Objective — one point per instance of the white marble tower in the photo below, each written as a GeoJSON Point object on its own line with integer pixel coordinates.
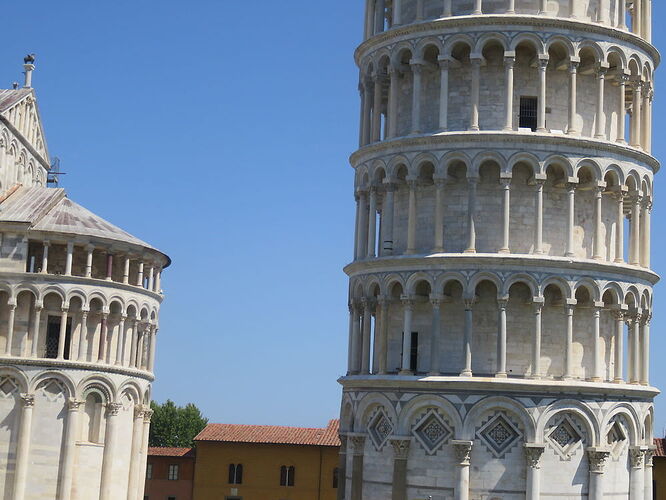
{"type": "Point", "coordinates": [501, 292]}
{"type": "Point", "coordinates": [79, 303]}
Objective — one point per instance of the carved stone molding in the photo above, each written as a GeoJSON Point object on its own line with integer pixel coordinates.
{"type": "Point", "coordinates": [28, 400]}
{"type": "Point", "coordinates": [147, 415]}
{"type": "Point", "coordinates": [463, 451]}
{"type": "Point", "coordinates": [74, 404]}
{"type": "Point", "coordinates": [357, 442]}
{"type": "Point", "coordinates": [112, 409]}
{"type": "Point", "coordinates": [636, 456]}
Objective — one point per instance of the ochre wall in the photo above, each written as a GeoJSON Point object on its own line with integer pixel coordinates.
{"type": "Point", "coordinates": [159, 487]}
{"type": "Point", "coordinates": [261, 471]}
{"type": "Point", "coordinates": [659, 477]}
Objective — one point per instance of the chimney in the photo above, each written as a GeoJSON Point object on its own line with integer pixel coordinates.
{"type": "Point", "coordinates": [29, 68]}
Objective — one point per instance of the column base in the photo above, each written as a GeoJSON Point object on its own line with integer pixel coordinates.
{"type": "Point", "coordinates": [542, 130]}
{"type": "Point", "coordinates": [567, 378]}
{"type": "Point", "coordinates": [534, 377]}
{"type": "Point", "coordinates": [621, 141]}
{"type": "Point", "coordinates": [600, 137]}
{"type": "Point", "coordinates": [597, 257]}
{"type": "Point", "coordinates": [437, 250]}
{"type": "Point", "coordinates": [406, 372]}
{"type": "Point", "coordinates": [619, 261]}
{"type": "Point", "coordinates": [501, 375]}
{"type": "Point", "coordinates": [596, 379]}
{"type": "Point", "coordinates": [434, 374]}
{"type": "Point", "coordinates": [504, 250]}
{"type": "Point", "coordinates": [573, 132]}
{"type": "Point", "coordinates": [618, 380]}
{"type": "Point", "coordinates": [473, 129]}
{"type": "Point", "coordinates": [470, 250]}
{"type": "Point", "coordinates": [466, 373]}
{"type": "Point", "coordinates": [570, 254]}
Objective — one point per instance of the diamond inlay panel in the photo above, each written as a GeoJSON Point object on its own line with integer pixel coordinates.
{"type": "Point", "coordinates": [565, 438]}
{"type": "Point", "coordinates": [432, 432]}
{"type": "Point", "coordinates": [499, 435]}
{"type": "Point", "coordinates": [380, 429]}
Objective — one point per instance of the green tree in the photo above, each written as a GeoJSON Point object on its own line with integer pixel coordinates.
{"type": "Point", "coordinates": [175, 426]}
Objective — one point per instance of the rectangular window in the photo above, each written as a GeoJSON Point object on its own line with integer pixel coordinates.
{"type": "Point", "coordinates": [53, 336]}
{"type": "Point", "coordinates": [149, 471]}
{"type": "Point", "coordinates": [235, 473]}
{"type": "Point", "coordinates": [528, 113]}
{"type": "Point", "coordinates": [336, 473]}
{"type": "Point", "coordinates": [171, 498]}
{"type": "Point", "coordinates": [287, 475]}
{"type": "Point", "coordinates": [173, 473]}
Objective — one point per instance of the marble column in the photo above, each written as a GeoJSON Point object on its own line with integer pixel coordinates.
{"type": "Point", "coordinates": [153, 346]}
{"type": "Point", "coordinates": [387, 218]}
{"type": "Point", "coordinates": [443, 94]}
{"type": "Point", "coordinates": [649, 464]}
{"type": "Point", "coordinates": [408, 307]}
{"type": "Point", "coordinates": [622, 11]}
{"type": "Point", "coordinates": [10, 328]}
{"type": "Point", "coordinates": [358, 445]}
{"type": "Point", "coordinates": [356, 339]}
{"type": "Point", "coordinates": [646, 224]}
{"type": "Point", "coordinates": [372, 224]}
{"type": "Point", "coordinates": [367, 333]}
{"type": "Point", "coordinates": [597, 458]}
{"type": "Point", "coordinates": [89, 260]}
{"type": "Point", "coordinates": [109, 266]}
{"type": "Point", "coordinates": [120, 341]}
{"type": "Point", "coordinates": [417, 68]}
{"type": "Point", "coordinates": [394, 92]}
{"type": "Point", "coordinates": [619, 228]}
{"type": "Point", "coordinates": [411, 217]}
{"type": "Point", "coordinates": [619, 348]}
{"type": "Point", "coordinates": [511, 9]}
{"type": "Point", "coordinates": [477, 7]}
{"type": "Point", "coordinates": [36, 323]}
{"type": "Point", "coordinates": [366, 112]}
{"type": "Point", "coordinates": [635, 230]}
{"type": "Point", "coordinates": [101, 355]}
{"type": "Point", "coordinates": [377, 107]}
{"type": "Point", "coordinates": [362, 224]}
{"type": "Point", "coordinates": [382, 355]}
{"type": "Point", "coordinates": [435, 347]}
{"type": "Point", "coordinates": [63, 333]}
{"type": "Point", "coordinates": [467, 337]}
{"type": "Point", "coordinates": [506, 213]}
{"type": "Point", "coordinates": [635, 348]}
{"type": "Point", "coordinates": [45, 258]}
{"type": "Point", "coordinates": [636, 473]}
{"type": "Point", "coordinates": [571, 219]}
{"type": "Point", "coordinates": [147, 415]}
{"type": "Point", "coordinates": [69, 258]}
{"type": "Point", "coordinates": [342, 468]}
{"type": "Point", "coordinates": [501, 338]}
{"type": "Point", "coordinates": [537, 306]}
{"type": "Point", "coordinates": [475, 93]}
{"type": "Point", "coordinates": [23, 447]}
{"type": "Point", "coordinates": [538, 232]}
{"type": "Point", "coordinates": [645, 354]}
{"type": "Point", "coordinates": [69, 449]}
{"type": "Point", "coordinates": [400, 456]}
{"type": "Point", "coordinates": [600, 123]}
{"type": "Point", "coordinates": [397, 12]}
{"type": "Point", "coordinates": [622, 109]}
{"type": "Point", "coordinates": [598, 225]}
{"type": "Point", "coordinates": [463, 454]}
{"type": "Point", "coordinates": [83, 338]}
{"type": "Point", "coordinates": [541, 112]}
{"type": "Point", "coordinates": [509, 62]}
{"type": "Point", "coordinates": [126, 270]}
{"type": "Point", "coordinates": [135, 465]}
{"type": "Point", "coordinates": [636, 118]}
{"type": "Point", "coordinates": [446, 11]}
{"type": "Point", "coordinates": [573, 96]}
{"type": "Point", "coordinates": [106, 484]}
{"type": "Point", "coordinates": [597, 368]}
{"type": "Point", "coordinates": [472, 183]}
{"type": "Point", "coordinates": [568, 355]}
{"type": "Point", "coordinates": [439, 215]}
{"type": "Point", "coordinates": [533, 453]}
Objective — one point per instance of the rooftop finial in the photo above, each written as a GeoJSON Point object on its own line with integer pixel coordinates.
{"type": "Point", "coordinates": [28, 66]}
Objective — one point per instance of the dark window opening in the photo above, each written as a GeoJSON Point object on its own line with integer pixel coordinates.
{"type": "Point", "coordinates": [53, 337]}
{"type": "Point", "coordinates": [287, 475]}
{"type": "Point", "coordinates": [336, 474]}
{"type": "Point", "coordinates": [235, 474]}
{"type": "Point", "coordinates": [528, 113]}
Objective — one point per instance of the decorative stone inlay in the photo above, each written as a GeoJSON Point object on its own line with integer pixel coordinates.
{"type": "Point", "coordinates": [7, 387]}
{"type": "Point", "coordinates": [499, 435]}
{"type": "Point", "coordinates": [380, 429]}
{"type": "Point", "coordinates": [597, 459]}
{"type": "Point", "coordinates": [463, 451]}
{"type": "Point", "coordinates": [565, 438]}
{"type": "Point", "coordinates": [432, 431]}
{"type": "Point", "coordinates": [533, 453]}
{"type": "Point", "coordinates": [401, 448]}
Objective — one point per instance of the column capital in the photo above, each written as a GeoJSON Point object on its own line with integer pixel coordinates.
{"type": "Point", "coordinates": [416, 65]}
{"type": "Point", "coordinates": [533, 453]}
{"type": "Point", "coordinates": [401, 447]}
{"type": "Point", "coordinates": [436, 299]}
{"type": "Point", "coordinates": [368, 304]}
{"type": "Point", "coordinates": [636, 456]}
{"type": "Point", "coordinates": [74, 404]}
{"type": "Point", "coordinates": [147, 415]}
{"type": "Point", "coordinates": [357, 442]}
{"type": "Point", "coordinates": [503, 302]}
{"type": "Point", "coordinates": [597, 458]}
{"type": "Point", "coordinates": [601, 69]}
{"type": "Point", "coordinates": [573, 65]}
{"type": "Point", "coordinates": [469, 302]}
{"type": "Point", "coordinates": [383, 301]}
{"type": "Point", "coordinates": [649, 456]}
{"type": "Point", "coordinates": [112, 409]}
{"type": "Point", "coordinates": [28, 400]}
{"type": "Point", "coordinates": [463, 451]}
{"type": "Point", "coordinates": [509, 60]}
{"type": "Point", "coordinates": [407, 300]}
{"type": "Point", "coordinates": [543, 62]}
{"type": "Point", "coordinates": [139, 412]}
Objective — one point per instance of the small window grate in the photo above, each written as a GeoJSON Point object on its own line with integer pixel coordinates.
{"type": "Point", "coordinates": [528, 113]}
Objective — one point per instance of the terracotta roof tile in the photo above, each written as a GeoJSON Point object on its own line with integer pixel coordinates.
{"type": "Point", "coordinates": [272, 434]}
{"type": "Point", "coordinates": [660, 443]}
{"type": "Point", "coordinates": [170, 452]}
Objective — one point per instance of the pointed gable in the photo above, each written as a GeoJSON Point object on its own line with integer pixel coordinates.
{"type": "Point", "coordinates": [18, 108]}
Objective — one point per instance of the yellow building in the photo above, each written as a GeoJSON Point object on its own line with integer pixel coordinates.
{"type": "Point", "coordinates": [255, 462]}
{"type": "Point", "coordinates": [659, 471]}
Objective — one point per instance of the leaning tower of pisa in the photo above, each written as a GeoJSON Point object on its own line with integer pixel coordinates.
{"type": "Point", "coordinates": [79, 303]}
{"type": "Point", "coordinates": [501, 293]}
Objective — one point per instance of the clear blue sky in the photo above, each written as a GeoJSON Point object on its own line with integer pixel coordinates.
{"type": "Point", "coordinates": [219, 131]}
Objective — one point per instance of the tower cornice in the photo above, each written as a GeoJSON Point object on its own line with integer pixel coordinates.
{"type": "Point", "coordinates": [505, 20]}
